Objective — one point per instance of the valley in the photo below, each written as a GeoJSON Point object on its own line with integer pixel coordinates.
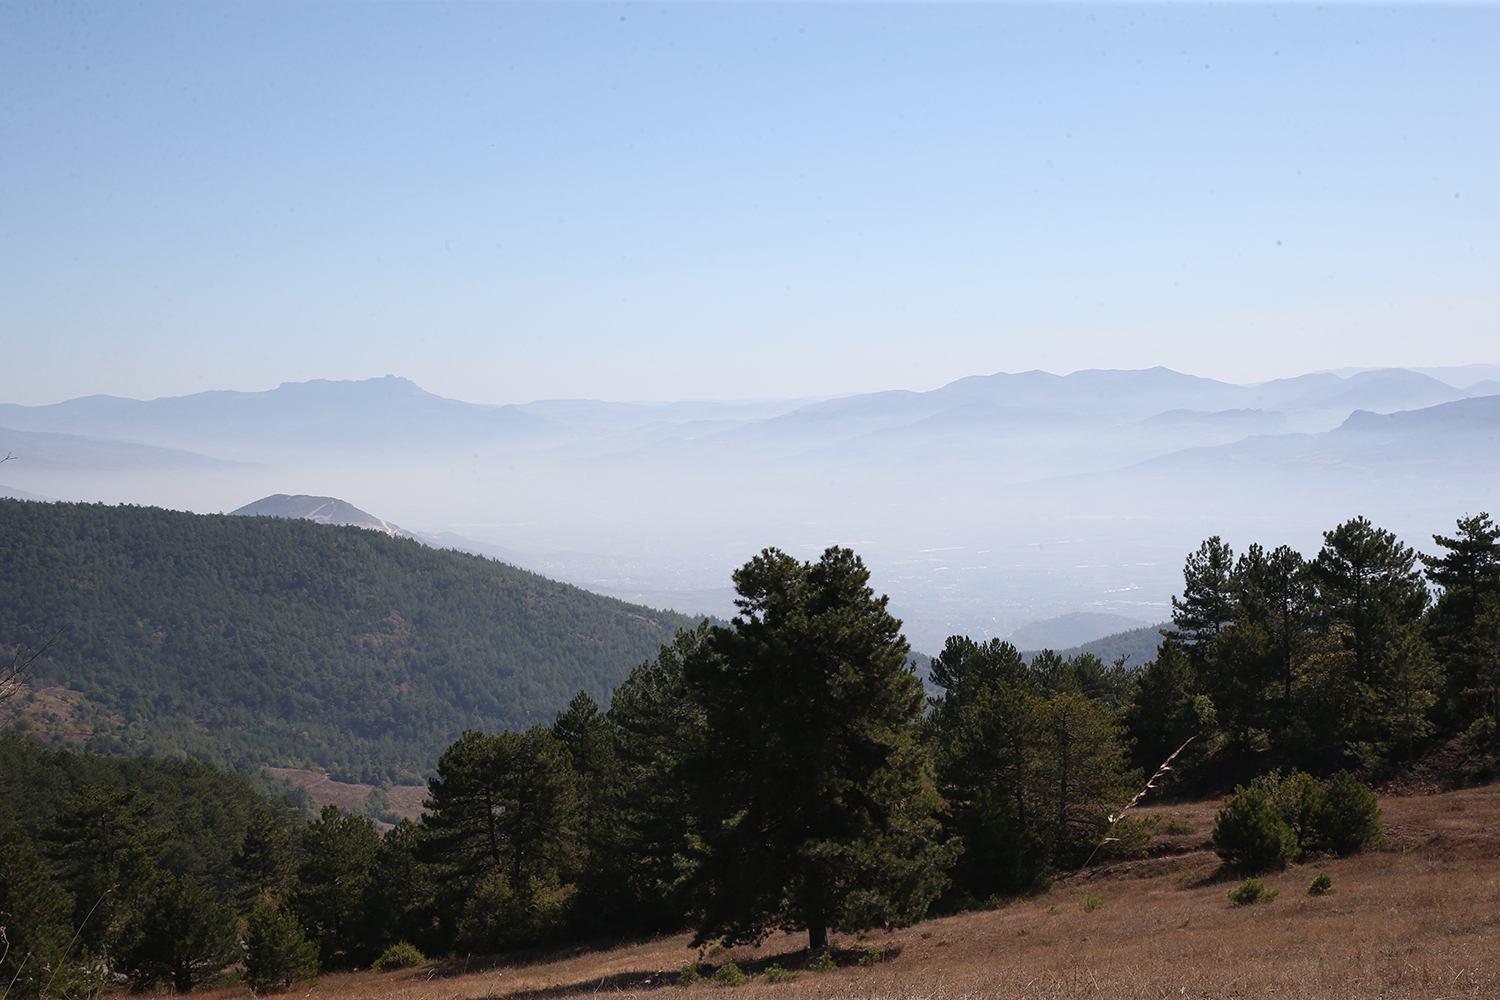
{"type": "Point", "coordinates": [981, 506]}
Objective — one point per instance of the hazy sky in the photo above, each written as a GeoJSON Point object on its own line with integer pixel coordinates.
{"type": "Point", "coordinates": [508, 201]}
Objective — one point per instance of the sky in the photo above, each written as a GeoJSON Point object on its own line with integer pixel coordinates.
{"type": "Point", "coordinates": [509, 201]}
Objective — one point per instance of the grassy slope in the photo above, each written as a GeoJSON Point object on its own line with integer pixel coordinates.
{"type": "Point", "coordinates": [1416, 919]}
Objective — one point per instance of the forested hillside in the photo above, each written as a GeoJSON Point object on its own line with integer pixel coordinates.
{"type": "Point", "coordinates": [782, 773]}
{"type": "Point", "coordinates": [247, 641]}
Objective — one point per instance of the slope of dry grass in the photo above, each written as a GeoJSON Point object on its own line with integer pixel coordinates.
{"type": "Point", "coordinates": [1416, 919]}
{"type": "Point", "coordinates": [405, 800]}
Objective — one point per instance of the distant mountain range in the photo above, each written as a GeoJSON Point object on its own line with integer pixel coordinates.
{"type": "Point", "coordinates": [982, 505]}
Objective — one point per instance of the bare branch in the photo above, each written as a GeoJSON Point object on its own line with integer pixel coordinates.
{"type": "Point", "coordinates": [16, 673]}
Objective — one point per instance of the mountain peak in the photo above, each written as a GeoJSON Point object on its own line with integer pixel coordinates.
{"type": "Point", "coordinates": [324, 510]}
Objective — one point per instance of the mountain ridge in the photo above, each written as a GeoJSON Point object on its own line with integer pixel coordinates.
{"type": "Point", "coordinates": [254, 640]}
{"type": "Point", "coordinates": [1005, 470]}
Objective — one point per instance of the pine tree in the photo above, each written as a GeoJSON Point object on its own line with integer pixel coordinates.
{"type": "Point", "coordinates": [1169, 708]}
{"type": "Point", "coordinates": [1207, 605]}
{"type": "Point", "coordinates": [604, 900]}
{"type": "Point", "coordinates": [187, 936]}
{"type": "Point", "coordinates": [106, 847]}
{"type": "Point", "coordinates": [1275, 591]}
{"type": "Point", "coordinates": [1471, 564]}
{"type": "Point", "coordinates": [35, 922]}
{"type": "Point", "coordinates": [335, 881]}
{"type": "Point", "coordinates": [811, 794]}
{"type": "Point", "coordinates": [1412, 681]}
{"type": "Point", "coordinates": [983, 729]}
{"type": "Point", "coordinates": [583, 732]}
{"type": "Point", "coordinates": [277, 952]}
{"type": "Point", "coordinates": [265, 864]}
{"type": "Point", "coordinates": [404, 891]}
{"type": "Point", "coordinates": [503, 819]}
{"type": "Point", "coordinates": [1468, 575]}
{"type": "Point", "coordinates": [1078, 772]}
{"type": "Point", "coordinates": [656, 729]}
{"type": "Point", "coordinates": [1369, 593]}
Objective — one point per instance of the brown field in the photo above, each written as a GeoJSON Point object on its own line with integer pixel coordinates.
{"type": "Point", "coordinates": [1416, 919]}
{"type": "Point", "coordinates": [406, 800]}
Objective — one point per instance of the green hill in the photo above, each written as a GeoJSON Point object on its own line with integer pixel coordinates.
{"type": "Point", "coordinates": [249, 641]}
{"type": "Point", "coordinates": [1139, 644]}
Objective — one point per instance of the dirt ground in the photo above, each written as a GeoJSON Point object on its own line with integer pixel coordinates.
{"type": "Point", "coordinates": [1415, 919]}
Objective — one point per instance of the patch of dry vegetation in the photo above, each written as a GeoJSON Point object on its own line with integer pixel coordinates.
{"type": "Point", "coordinates": [50, 715]}
{"type": "Point", "coordinates": [1417, 918]}
{"type": "Point", "coordinates": [405, 800]}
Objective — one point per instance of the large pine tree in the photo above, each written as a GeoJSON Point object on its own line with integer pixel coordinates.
{"type": "Point", "coordinates": [812, 797]}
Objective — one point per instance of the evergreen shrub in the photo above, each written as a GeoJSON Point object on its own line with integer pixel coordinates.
{"type": "Point", "coordinates": [1250, 833]}
{"type": "Point", "coordinates": [1280, 817]}
{"type": "Point", "coordinates": [730, 974]}
{"type": "Point", "coordinates": [1348, 818]}
{"type": "Point", "coordinates": [399, 956]}
{"type": "Point", "coordinates": [1253, 890]}
{"type": "Point", "coordinates": [277, 953]}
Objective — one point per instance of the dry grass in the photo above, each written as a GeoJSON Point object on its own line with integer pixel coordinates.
{"type": "Point", "coordinates": [1417, 919]}
{"type": "Point", "coordinates": [406, 800]}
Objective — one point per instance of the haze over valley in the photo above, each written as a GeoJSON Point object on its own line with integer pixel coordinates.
{"type": "Point", "coordinates": [981, 506]}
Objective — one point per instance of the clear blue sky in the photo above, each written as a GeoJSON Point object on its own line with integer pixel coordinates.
{"type": "Point", "coordinates": [508, 201]}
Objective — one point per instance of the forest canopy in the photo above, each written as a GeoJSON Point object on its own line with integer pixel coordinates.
{"type": "Point", "coordinates": [251, 641]}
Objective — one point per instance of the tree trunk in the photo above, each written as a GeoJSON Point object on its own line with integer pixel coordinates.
{"type": "Point", "coordinates": [817, 938]}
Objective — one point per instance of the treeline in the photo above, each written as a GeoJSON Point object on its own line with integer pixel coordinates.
{"type": "Point", "coordinates": [251, 641]}
{"type": "Point", "coordinates": [1345, 654]}
{"type": "Point", "coordinates": [787, 772]}
{"type": "Point", "coordinates": [780, 772]}
{"type": "Point", "coordinates": [108, 865]}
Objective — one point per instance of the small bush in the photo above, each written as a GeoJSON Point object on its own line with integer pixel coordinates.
{"type": "Point", "coordinates": [1179, 825]}
{"type": "Point", "coordinates": [776, 974]}
{"type": "Point", "coordinates": [1348, 818]}
{"type": "Point", "coordinates": [399, 956]}
{"type": "Point", "coordinates": [1090, 904]}
{"type": "Point", "coordinates": [1250, 833]}
{"type": "Point", "coordinates": [1299, 800]}
{"type": "Point", "coordinates": [502, 915]}
{"type": "Point", "coordinates": [1129, 836]}
{"type": "Point", "coordinates": [730, 974]}
{"type": "Point", "coordinates": [825, 963]}
{"type": "Point", "coordinates": [1321, 886]}
{"type": "Point", "coordinates": [872, 956]}
{"type": "Point", "coordinates": [277, 953]}
{"type": "Point", "coordinates": [1252, 891]}
{"type": "Point", "coordinates": [689, 976]}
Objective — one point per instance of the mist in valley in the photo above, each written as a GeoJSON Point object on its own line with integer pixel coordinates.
{"type": "Point", "coordinates": [982, 506]}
